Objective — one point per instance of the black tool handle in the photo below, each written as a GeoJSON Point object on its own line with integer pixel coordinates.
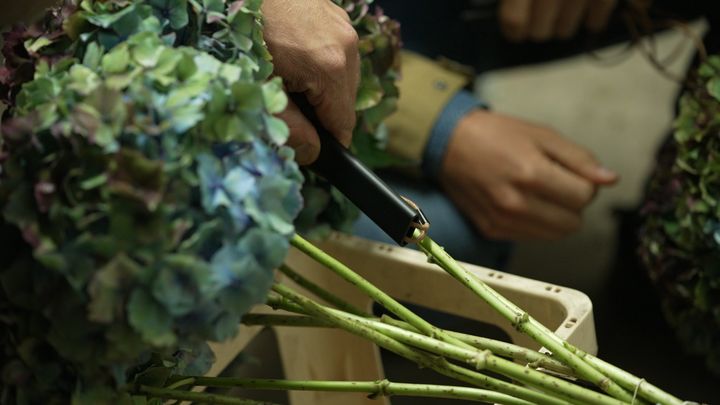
{"type": "Point", "coordinates": [359, 184]}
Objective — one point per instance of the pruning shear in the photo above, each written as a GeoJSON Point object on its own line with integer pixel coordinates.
{"type": "Point", "coordinates": [397, 216]}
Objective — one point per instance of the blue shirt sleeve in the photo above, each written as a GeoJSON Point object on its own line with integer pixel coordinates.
{"type": "Point", "coordinates": [459, 105]}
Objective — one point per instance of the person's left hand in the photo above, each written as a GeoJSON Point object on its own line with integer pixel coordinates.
{"type": "Point", "coordinates": [516, 180]}
{"type": "Point", "coordinates": [543, 20]}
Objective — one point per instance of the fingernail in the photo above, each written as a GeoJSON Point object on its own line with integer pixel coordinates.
{"type": "Point", "coordinates": [346, 139]}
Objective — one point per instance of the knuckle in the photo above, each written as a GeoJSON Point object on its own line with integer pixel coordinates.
{"type": "Point", "coordinates": [340, 58]}
{"type": "Point", "coordinates": [347, 38]}
{"type": "Point", "coordinates": [526, 173]}
{"type": "Point", "coordinates": [508, 202]}
{"type": "Point", "coordinates": [334, 61]}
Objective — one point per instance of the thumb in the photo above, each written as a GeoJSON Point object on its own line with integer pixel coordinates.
{"type": "Point", "coordinates": [577, 159]}
{"type": "Point", "coordinates": [303, 136]}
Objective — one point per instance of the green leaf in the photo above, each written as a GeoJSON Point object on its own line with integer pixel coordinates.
{"type": "Point", "coordinates": [372, 151]}
{"type": "Point", "coordinates": [713, 87]}
{"type": "Point", "coordinates": [274, 96]}
{"type": "Point", "coordinates": [83, 80]}
{"type": "Point", "coordinates": [123, 80]}
{"type": "Point", "coordinates": [242, 23]}
{"type": "Point", "coordinates": [20, 206]}
{"type": "Point", "coordinates": [277, 130]}
{"type": "Point", "coordinates": [123, 343]}
{"type": "Point", "coordinates": [370, 91]}
{"type": "Point", "coordinates": [106, 20]}
{"type": "Point", "coordinates": [181, 283]}
{"type": "Point", "coordinates": [139, 400]}
{"type": "Point", "coordinates": [154, 376]}
{"type": "Point", "coordinates": [225, 327]}
{"type": "Point", "coordinates": [230, 73]}
{"type": "Point", "coordinates": [214, 5]}
{"type": "Point", "coordinates": [184, 94]}
{"type": "Point", "coordinates": [93, 55]}
{"type": "Point", "coordinates": [377, 114]}
{"type": "Point", "coordinates": [108, 286]}
{"type": "Point", "coordinates": [167, 62]}
{"type": "Point", "coordinates": [138, 178]}
{"type": "Point", "coordinates": [146, 49]}
{"type": "Point", "coordinates": [117, 60]}
{"type": "Point", "coordinates": [196, 360]}
{"type": "Point", "coordinates": [150, 319]}
{"type": "Point", "coordinates": [174, 11]}
{"type": "Point", "coordinates": [247, 96]}
{"type": "Point", "coordinates": [34, 45]}
{"type": "Point", "coordinates": [186, 117]}
{"type": "Point", "coordinates": [94, 182]}
{"type": "Point", "coordinates": [242, 42]}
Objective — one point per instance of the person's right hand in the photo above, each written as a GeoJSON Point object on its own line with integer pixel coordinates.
{"type": "Point", "coordinates": [515, 180]}
{"type": "Point", "coordinates": [542, 20]}
{"type": "Point", "coordinates": [315, 51]}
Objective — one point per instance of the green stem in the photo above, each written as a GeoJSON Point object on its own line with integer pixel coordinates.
{"type": "Point", "coordinates": [201, 397]}
{"type": "Point", "coordinates": [374, 388]}
{"type": "Point", "coordinates": [630, 382]}
{"type": "Point", "coordinates": [526, 324]}
{"type": "Point", "coordinates": [531, 358]}
{"type": "Point", "coordinates": [373, 292]}
{"type": "Point", "coordinates": [276, 302]}
{"type": "Point", "coordinates": [284, 320]}
{"type": "Point", "coordinates": [480, 360]}
{"type": "Point", "coordinates": [180, 383]}
{"type": "Point", "coordinates": [320, 292]}
{"type": "Point", "coordinates": [439, 364]}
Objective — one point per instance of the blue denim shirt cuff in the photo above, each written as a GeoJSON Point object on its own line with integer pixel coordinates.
{"type": "Point", "coordinates": [460, 105]}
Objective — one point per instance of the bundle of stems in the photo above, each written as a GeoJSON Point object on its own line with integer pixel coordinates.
{"type": "Point", "coordinates": [537, 378]}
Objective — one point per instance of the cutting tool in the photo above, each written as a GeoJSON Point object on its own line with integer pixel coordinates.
{"type": "Point", "coordinates": [397, 216]}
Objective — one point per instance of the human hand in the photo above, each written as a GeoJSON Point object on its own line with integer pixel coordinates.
{"type": "Point", "coordinates": [515, 180]}
{"type": "Point", "coordinates": [315, 51]}
{"type": "Point", "coordinates": [542, 20]}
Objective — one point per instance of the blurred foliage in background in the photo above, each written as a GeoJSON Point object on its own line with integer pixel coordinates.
{"type": "Point", "coordinates": [680, 235]}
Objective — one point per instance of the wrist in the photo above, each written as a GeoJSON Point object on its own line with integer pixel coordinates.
{"type": "Point", "coordinates": [459, 106]}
